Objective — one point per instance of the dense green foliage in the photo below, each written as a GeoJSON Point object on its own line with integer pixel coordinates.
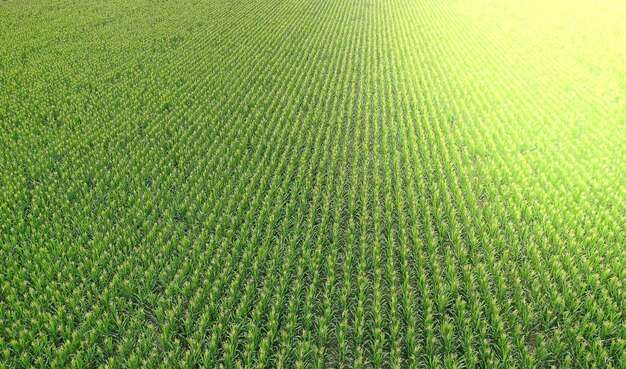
{"type": "Point", "coordinates": [312, 184]}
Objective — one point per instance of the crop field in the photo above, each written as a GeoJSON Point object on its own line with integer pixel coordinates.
{"type": "Point", "coordinates": [312, 184]}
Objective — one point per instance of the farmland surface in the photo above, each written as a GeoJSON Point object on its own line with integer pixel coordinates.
{"type": "Point", "coordinates": [312, 184]}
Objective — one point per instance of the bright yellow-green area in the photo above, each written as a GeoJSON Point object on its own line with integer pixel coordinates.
{"type": "Point", "coordinates": [312, 184]}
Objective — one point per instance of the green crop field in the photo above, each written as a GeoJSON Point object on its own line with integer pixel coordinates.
{"type": "Point", "coordinates": [312, 184]}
